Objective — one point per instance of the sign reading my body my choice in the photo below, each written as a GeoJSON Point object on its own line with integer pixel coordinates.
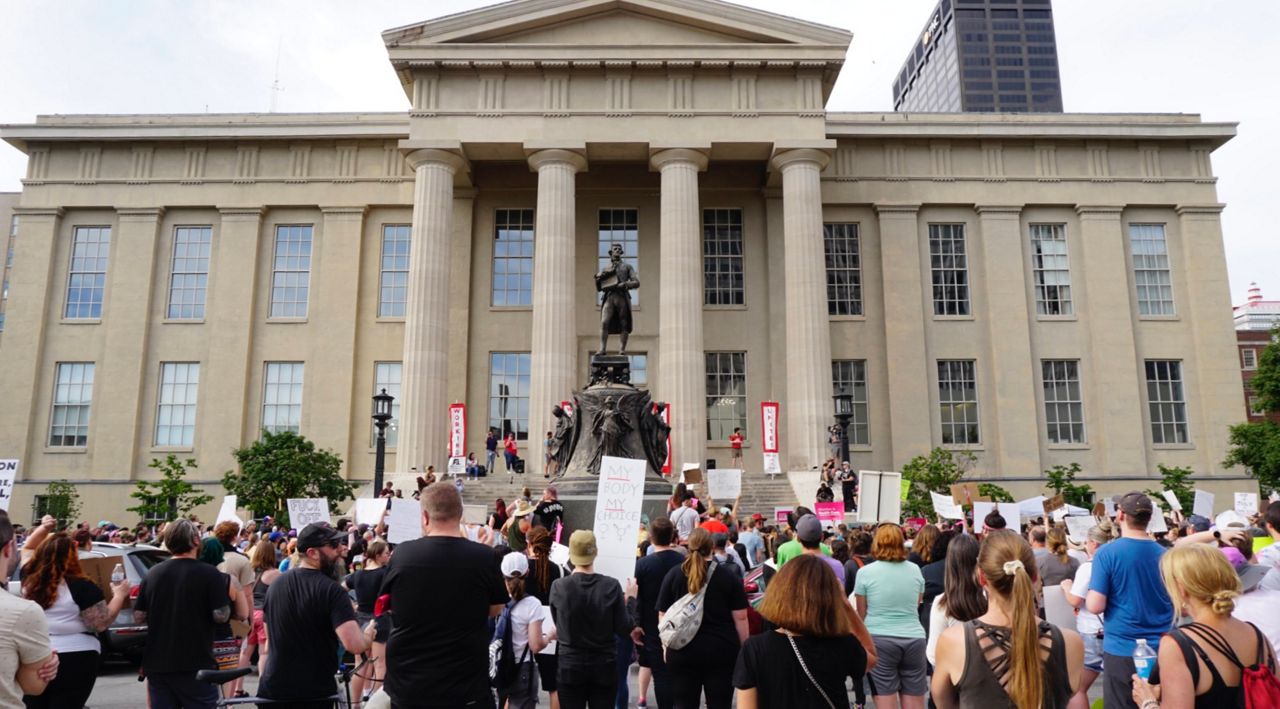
{"type": "Point", "coordinates": [618, 516]}
{"type": "Point", "coordinates": [8, 473]}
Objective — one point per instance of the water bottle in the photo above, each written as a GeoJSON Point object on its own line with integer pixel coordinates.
{"type": "Point", "coordinates": [1144, 659]}
{"type": "Point", "coordinates": [117, 574]}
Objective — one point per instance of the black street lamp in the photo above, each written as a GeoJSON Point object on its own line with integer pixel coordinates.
{"type": "Point", "coordinates": [843, 399]}
{"type": "Point", "coordinates": [381, 418]}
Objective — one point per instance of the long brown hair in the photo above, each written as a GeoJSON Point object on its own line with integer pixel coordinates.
{"type": "Point", "coordinates": [923, 544]}
{"type": "Point", "coordinates": [55, 560]}
{"type": "Point", "coordinates": [1056, 540]}
{"type": "Point", "coordinates": [962, 598]}
{"type": "Point", "coordinates": [805, 598]}
{"type": "Point", "coordinates": [1016, 586]}
{"type": "Point", "coordinates": [694, 565]}
{"type": "Point", "coordinates": [539, 541]}
{"type": "Point", "coordinates": [264, 556]}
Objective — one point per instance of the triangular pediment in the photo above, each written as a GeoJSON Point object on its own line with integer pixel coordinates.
{"type": "Point", "coordinates": [622, 27]}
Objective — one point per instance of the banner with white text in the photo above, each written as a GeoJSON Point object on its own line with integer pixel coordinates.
{"type": "Point", "coordinates": [457, 430]}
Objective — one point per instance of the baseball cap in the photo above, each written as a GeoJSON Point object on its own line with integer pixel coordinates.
{"type": "Point", "coordinates": [1134, 504]}
{"type": "Point", "coordinates": [318, 534]}
{"type": "Point", "coordinates": [1199, 523]}
{"type": "Point", "coordinates": [515, 565]}
{"type": "Point", "coordinates": [809, 529]}
{"type": "Point", "coordinates": [275, 536]}
{"type": "Point", "coordinates": [1230, 518]}
{"type": "Point", "coordinates": [582, 547]}
{"type": "Point", "coordinates": [757, 517]}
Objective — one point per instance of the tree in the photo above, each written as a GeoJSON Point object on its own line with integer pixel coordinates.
{"type": "Point", "coordinates": [285, 465]}
{"type": "Point", "coordinates": [935, 472]}
{"type": "Point", "coordinates": [1256, 446]}
{"type": "Point", "coordinates": [62, 501]}
{"type": "Point", "coordinates": [1266, 381]}
{"type": "Point", "coordinates": [1062, 480]}
{"type": "Point", "coordinates": [994, 492]}
{"type": "Point", "coordinates": [171, 496]}
{"type": "Point", "coordinates": [1177, 481]}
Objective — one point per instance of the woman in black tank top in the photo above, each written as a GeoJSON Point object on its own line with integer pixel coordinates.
{"type": "Point", "coordinates": [1007, 657]}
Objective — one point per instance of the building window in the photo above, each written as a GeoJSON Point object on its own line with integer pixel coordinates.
{"type": "Point", "coordinates": [852, 373]}
{"type": "Point", "coordinates": [1050, 270]}
{"type": "Point", "coordinates": [87, 279]}
{"type": "Point", "coordinates": [1167, 401]}
{"type": "Point", "coordinates": [950, 269]}
{"type": "Point", "coordinates": [282, 397]}
{"type": "Point", "coordinates": [619, 226]}
{"type": "Point", "coordinates": [1249, 358]}
{"type": "Point", "coordinates": [153, 513]}
{"type": "Point", "coordinates": [291, 272]}
{"type": "Point", "coordinates": [1151, 269]}
{"type": "Point", "coordinates": [844, 269]}
{"type": "Point", "coordinates": [509, 393]}
{"type": "Point", "coordinates": [393, 291]}
{"type": "Point", "coordinates": [958, 401]}
{"type": "Point", "coordinates": [386, 375]}
{"type": "Point", "coordinates": [72, 399]}
{"type": "Point", "coordinates": [722, 280]}
{"type": "Point", "coordinates": [176, 413]}
{"type": "Point", "coordinates": [1251, 405]}
{"type": "Point", "coordinates": [1063, 402]}
{"type": "Point", "coordinates": [513, 257]}
{"type": "Point", "coordinates": [726, 394]}
{"type": "Point", "coordinates": [189, 278]}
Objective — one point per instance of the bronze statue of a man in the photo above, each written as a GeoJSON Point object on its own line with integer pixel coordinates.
{"type": "Point", "coordinates": [615, 282]}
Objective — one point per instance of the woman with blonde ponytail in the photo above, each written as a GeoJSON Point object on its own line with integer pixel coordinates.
{"type": "Point", "coordinates": [1007, 657]}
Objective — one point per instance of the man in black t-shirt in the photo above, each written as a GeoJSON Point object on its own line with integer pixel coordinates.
{"type": "Point", "coordinates": [650, 570]}
{"type": "Point", "coordinates": [307, 613]}
{"type": "Point", "coordinates": [181, 601]}
{"type": "Point", "coordinates": [443, 590]}
{"type": "Point", "coordinates": [549, 511]}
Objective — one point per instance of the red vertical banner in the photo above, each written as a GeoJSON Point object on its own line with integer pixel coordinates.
{"type": "Point", "coordinates": [567, 407]}
{"type": "Point", "coordinates": [457, 430]}
{"type": "Point", "coordinates": [769, 426]}
{"type": "Point", "coordinates": [666, 419]}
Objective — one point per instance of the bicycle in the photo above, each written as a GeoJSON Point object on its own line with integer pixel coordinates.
{"type": "Point", "coordinates": [342, 698]}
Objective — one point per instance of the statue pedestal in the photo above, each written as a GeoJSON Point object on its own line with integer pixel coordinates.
{"type": "Point", "coordinates": [579, 499]}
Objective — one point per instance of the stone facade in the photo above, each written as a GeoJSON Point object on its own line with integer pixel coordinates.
{"type": "Point", "coordinates": [675, 112]}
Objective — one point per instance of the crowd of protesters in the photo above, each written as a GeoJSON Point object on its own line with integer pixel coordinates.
{"type": "Point", "coordinates": [952, 613]}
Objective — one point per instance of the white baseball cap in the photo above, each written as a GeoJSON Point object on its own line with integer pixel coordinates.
{"type": "Point", "coordinates": [515, 564]}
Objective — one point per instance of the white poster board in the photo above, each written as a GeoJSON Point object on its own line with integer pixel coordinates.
{"type": "Point", "coordinates": [559, 555]}
{"type": "Point", "coordinates": [1012, 513]}
{"type": "Point", "coordinates": [618, 516]}
{"type": "Point", "coordinates": [369, 510]}
{"type": "Point", "coordinates": [1157, 525]}
{"type": "Point", "coordinates": [1203, 505]}
{"type": "Point", "coordinates": [457, 465]}
{"type": "Point", "coordinates": [772, 466]}
{"type": "Point", "coordinates": [475, 514]}
{"type": "Point", "coordinates": [879, 497]}
{"type": "Point", "coordinates": [945, 506]}
{"type": "Point", "coordinates": [8, 473]}
{"type": "Point", "coordinates": [1247, 503]}
{"type": "Point", "coordinates": [1078, 527]}
{"type": "Point", "coordinates": [227, 513]}
{"type": "Point", "coordinates": [1057, 610]}
{"type": "Point", "coordinates": [304, 511]}
{"type": "Point", "coordinates": [404, 521]}
{"type": "Point", "coordinates": [980, 512]}
{"type": "Point", "coordinates": [724, 485]}
{"type": "Point", "coordinates": [1172, 499]}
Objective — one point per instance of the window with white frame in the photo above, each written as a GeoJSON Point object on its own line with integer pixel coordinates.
{"type": "Point", "coordinates": [726, 394]}
{"type": "Point", "coordinates": [958, 401]}
{"type": "Point", "coordinates": [386, 375]}
{"type": "Point", "coordinates": [509, 394]}
{"type": "Point", "coordinates": [1050, 271]}
{"type": "Point", "coordinates": [513, 257]}
{"type": "Point", "coordinates": [949, 269]}
{"type": "Point", "coordinates": [291, 271]}
{"type": "Point", "coordinates": [844, 269]}
{"type": "Point", "coordinates": [621, 227]}
{"type": "Point", "coordinates": [189, 274]}
{"type": "Point", "coordinates": [176, 410]}
{"type": "Point", "coordinates": [87, 277]}
{"type": "Point", "coordinates": [1249, 358]}
{"type": "Point", "coordinates": [1151, 275]}
{"type": "Point", "coordinates": [282, 397]}
{"type": "Point", "coordinates": [1063, 401]}
{"type": "Point", "coordinates": [722, 268]}
{"type": "Point", "coordinates": [1251, 404]}
{"type": "Point", "coordinates": [72, 400]}
{"type": "Point", "coordinates": [852, 373]}
{"type": "Point", "coordinates": [393, 289]}
{"type": "Point", "coordinates": [1166, 401]}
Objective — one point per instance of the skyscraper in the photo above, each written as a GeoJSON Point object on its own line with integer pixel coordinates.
{"type": "Point", "coordinates": [985, 56]}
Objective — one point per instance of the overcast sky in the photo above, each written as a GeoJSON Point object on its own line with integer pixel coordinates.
{"type": "Point", "coordinates": [1215, 58]}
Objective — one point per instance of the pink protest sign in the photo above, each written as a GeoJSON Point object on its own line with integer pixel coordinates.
{"type": "Point", "coordinates": [829, 511]}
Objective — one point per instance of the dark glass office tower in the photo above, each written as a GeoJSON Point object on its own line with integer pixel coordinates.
{"type": "Point", "coordinates": [983, 55]}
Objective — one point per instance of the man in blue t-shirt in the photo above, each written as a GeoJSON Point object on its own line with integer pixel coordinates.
{"type": "Point", "coordinates": [1127, 587]}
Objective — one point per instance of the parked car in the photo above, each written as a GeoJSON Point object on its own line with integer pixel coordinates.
{"type": "Point", "coordinates": [754, 584]}
{"type": "Point", "coordinates": [125, 636]}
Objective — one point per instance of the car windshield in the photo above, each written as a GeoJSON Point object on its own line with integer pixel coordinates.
{"type": "Point", "coordinates": [144, 560]}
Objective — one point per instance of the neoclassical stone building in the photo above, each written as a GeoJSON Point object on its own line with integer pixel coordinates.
{"type": "Point", "coordinates": [1038, 289]}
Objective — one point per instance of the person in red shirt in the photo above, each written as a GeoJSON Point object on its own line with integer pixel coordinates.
{"type": "Point", "coordinates": [735, 442]}
{"type": "Point", "coordinates": [511, 454]}
{"type": "Point", "coordinates": [715, 523]}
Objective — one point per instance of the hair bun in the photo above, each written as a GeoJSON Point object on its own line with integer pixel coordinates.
{"type": "Point", "coordinates": [1011, 567]}
{"type": "Point", "coordinates": [1223, 602]}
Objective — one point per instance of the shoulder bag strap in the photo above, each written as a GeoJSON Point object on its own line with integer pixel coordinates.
{"type": "Point", "coordinates": [800, 658]}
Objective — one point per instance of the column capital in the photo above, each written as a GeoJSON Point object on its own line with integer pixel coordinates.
{"type": "Point", "coordinates": [998, 211]}
{"type": "Point", "coordinates": [551, 156]}
{"type": "Point", "coordinates": [39, 212]}
{"type": "Point", "coordinates": [1203, 211]}
{"type": "Point", "coordinates": [1099, 211]}
{"type": "Point", "coordinates": [453, 160]}
{"type": "Point", "coordinates": [903, 210]}
{"type": "Point", "coordinates": [785, 158]}
{"type": "Point", "coordinates": [140, 214]}
{"type": "Point", "coordinates": [659, 159]}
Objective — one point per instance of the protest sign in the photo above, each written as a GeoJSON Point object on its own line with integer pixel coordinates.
{"type": "Point", "coordinates": [946, 507]}
{"type": "Point", "coordinates": [1056, 608]}
{"type": "Point", "coordinates": [404, 521]}
{"type": "Point", "coordinates": [457, 465]}
{"type": "Point", "coordinates": [559, 554]}
{"type": "Point", "coordinates": [1055, 503]}
{"type": "Point", "coordinates": [829, 511]}
{"type": "Point", "coordinates": [457, 430]}
{"type": "Point", "coordinates": [769, 426]}
{"type": "Point", "coordinates": [1172, 499]}
{"type": "Point", "coordinates": [724, 484]}
{"type": "Point", "coordinates": [1060, 513]}
{"type": "Point", "coordinates": [772, 466]}
{"type": "Point", "coordinates": [1078, 527]}
{"type": "Point", "coordinates": [1109, 507]}
{"type": "Point", "coordinates": [780, 514]}
{"type": "Point", "coordinates": [690, 474]}
{"type": "Point", "coordinates": [964, 493]}
{"type": "Point", "coordinates": [1012, 513]}
{"type": "Point", "coordinates": [475, 514]}
{"type": "Point", "coordinates": [369, 510]}
{"type": "Point", "coordinates": [618, 500]}
{"type": "Point", "coordinates": [8, 473]}
{"type": "Point", "coordinates": [1157, 525]}
{"type": "Point", "coordinates": [878, 496]}
{"type": "Point", "coordinates": [1203, 505]}
{"type": "Point", "coordinates": [904, 489]}
{"type": "Point", "coordinates": [1246, 503]}
{"type": "Point", "coordinates": [304, 511]}
{"type": "Point", "coordinates": [980, 512]}
{"type": "Point", "coordinates": [227, 513]}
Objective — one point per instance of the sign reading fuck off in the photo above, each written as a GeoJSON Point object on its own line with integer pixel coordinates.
{"type": "Point", "coordinates": [618, 516]}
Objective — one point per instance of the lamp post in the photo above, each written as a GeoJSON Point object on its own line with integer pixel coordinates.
{"type": "Point", "coordinates": [381, 418]}
{"type": "Point", "coordinates": [843, 399]}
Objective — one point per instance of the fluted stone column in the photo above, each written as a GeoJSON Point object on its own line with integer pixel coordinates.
{"type": "Point", "coordinates": [808, 331]}
{"type": "Point", "coordinates": [553, 360]}
{"type": "Point", "coordinates": [682, 365]}
{"type": "Point", "coordinates": [425, 372]}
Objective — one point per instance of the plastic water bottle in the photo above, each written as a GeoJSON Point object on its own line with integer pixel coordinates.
{"type": "Point", "coordinates": [117, 574]}
{"type": "Point", "coordinates": [1144, 659]}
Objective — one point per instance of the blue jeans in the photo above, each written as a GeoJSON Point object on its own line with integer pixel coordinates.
{"type": "Point", "coordinates": [174, 690]}
{"type": "Point", "coordinates": [490, 457]}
